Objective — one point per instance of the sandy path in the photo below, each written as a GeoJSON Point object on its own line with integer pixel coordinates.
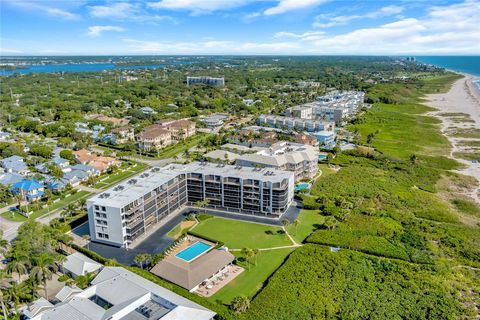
{"type": "Point", "coordinates": [462, 97]}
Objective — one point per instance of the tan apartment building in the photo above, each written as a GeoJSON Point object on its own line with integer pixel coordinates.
{"type": "Point", "coordinates": [154, 136]}
{"type": "Point", "coordinates": [122, 135]}
{"type": "Point", "coordinates": [179, 129]}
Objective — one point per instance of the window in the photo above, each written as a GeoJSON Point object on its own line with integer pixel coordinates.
{"type": "Point", "coordinates": [104, 209]}
{"type": "Point", "coordinates": [97, 207]}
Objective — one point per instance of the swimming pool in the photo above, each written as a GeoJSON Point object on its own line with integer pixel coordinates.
{"type": "Point", "coordinates": [193, 251]}
{"type": "Point", "coordinates": [322, 157]}
{"type": "Point", "coordinates": [302, 186]}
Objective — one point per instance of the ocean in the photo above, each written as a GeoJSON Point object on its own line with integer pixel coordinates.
{"type": "Point", "coordinates": [81, 67]}
{"type": "Point", "coordinates": [466, 64]}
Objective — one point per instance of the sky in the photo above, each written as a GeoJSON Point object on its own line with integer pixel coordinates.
{"type": "Point", "coordinates": [243, 27]}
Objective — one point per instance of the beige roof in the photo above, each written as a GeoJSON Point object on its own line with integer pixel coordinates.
{"type": "Point", "coordinates": [153, 131]}
{"type": "Point", "coordinates": [191, 274]}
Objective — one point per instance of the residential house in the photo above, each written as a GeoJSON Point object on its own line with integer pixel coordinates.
{"type": "Point", "coordinates": [325, 138]}
{"type": "Point", "coordinates": [30, 190]}
{"type": "Point", "coordinates": [14, 164]}
{"type": "Point", "coordinates": [154, 136]}
{"type": "Point", "coordinates": [10, 178]}
{"type": "Point", "coordinates": [78, 264]}
{"type": "Point", "coordinates": [117, 293]}
{"type": "Point", "coordinates": [99, 163]}
{"type": "Point", "coordinates": [122, 135]}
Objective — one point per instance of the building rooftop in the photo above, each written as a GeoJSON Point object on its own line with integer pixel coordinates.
{"type": "Point", "coordinates": [190, 274]}
{"type": "Point", "coordinates": [136, 187]}
{"type": "Point", "coordinates": [121, 294]}
{"type": "Point", "coordinates": [281, 153]}
{"type": "Point", "coordinates": [79, 264]}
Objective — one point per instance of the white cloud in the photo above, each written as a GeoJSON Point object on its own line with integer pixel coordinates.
{"type": "Point", "coordinates": [288, 5]}
{"type": "Point", "coordinates": [197, 6]}
{"type": "Point", "coordinates": [124, 11]}
{"type": "Point", "coordinates": [452, 29]}
{"type": "Point", "coordinates": [95, 31]}
{"type": "Point", "coordinates": [306, 36]}
{"type": "Point", "coordinates": [44, 9]}
{"type": "Point", "coordinates": [209, 47]}
{"type": "Point", "coordinates": [117, 10]}
{"type": "Point", "coordinates": [327, 21]}
{"type": "Point", "coordinates": [5, 51]}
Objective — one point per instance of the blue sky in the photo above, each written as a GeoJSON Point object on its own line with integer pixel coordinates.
{"type": "Point", "coordinates": [303, 27]}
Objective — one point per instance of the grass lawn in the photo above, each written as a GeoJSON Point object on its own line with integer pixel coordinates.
{"type": "Point", "coordinates": [13, 216]}
{"type": "Point", "coordinates": [119, 176]}
{"type": "Point", "coordinates": [239, 234]}
{"type": "Point", "coordinates": [170, 152]}
{"type": "Point", "coordinates": [178, 229]}
{"type": "Point", "coordinates": [60, 204]}
{"type": "Point", "coordinates": [309, 221]}
{"type": "Point", "coordinates": [251, 281]}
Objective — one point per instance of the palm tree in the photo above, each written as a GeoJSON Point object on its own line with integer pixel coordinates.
{"type": "Point", "coordinates": [255, 253]}
{"type": "Point", "coordinates": [81, 203]}
{"type": "Point", "coordinates": [14, 294]}
{"type": "Point", "coordinates": [285, 223]}
{"type": "Point", "coordinates": [139, 259]}
{"type": "Point", "coordinates": [69, 210]}
{"type": "Point", "coordinates": [18, 265]}
{"type": "Point", "coordinates": [296, 223]}
{"type": "Point", "coordinates": [43, 269]}
{"type": "Point", "coordinates": [247, 253]}
{"type": "Point", "coordinates": [86, 237]}
{"type": "Point", "coordinates": [330, 223]}
{"type": "Point", "coordinates": [240, 304]}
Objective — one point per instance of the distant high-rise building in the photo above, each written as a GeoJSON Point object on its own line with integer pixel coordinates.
{"type": "Point", "coordinates": [216, 82]}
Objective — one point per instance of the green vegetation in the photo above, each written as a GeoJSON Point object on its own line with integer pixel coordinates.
{"type": "Point", "coordinates": [308, 221]}
{"type": "Point", "coordinates": [383, 202]}
{"type": "Point", "coordinates": [13, 216]}
{"type": "Point", "coordinates": [61, 204]}
{"type": "Point", "coordinates": [239, 234]}
{"type": "Point", "coordinates": [471, 156]}
{"type": "Point", "coordinates": [251, 280]}
{"type": "Point", "coordinates": [467, 206]}
{"type": "Point", "coordinates": [315, 283]}
{"type": "Point", "coordinates": [111, 179]}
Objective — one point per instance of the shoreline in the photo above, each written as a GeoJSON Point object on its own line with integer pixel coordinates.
{"type": "Point", "coordinates": [459, 111]}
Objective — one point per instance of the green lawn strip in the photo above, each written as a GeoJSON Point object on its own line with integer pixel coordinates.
{"type": "Point", "coordinates": [239, 234]}
{"type": "Point", "coordinates": [310, 220]}
{"type": "Point", "coordinates": [249, 282]}
{"type": "Point", "coordinates": [13, 216]}
{"type": "Point", "coordinates": [119, 176]}
{"type": "Point", "coordinates": [172, 151]}
{"type": "Point", "coordinates": [60, 204]}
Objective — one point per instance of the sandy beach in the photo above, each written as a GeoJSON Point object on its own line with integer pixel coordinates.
{"type": "Point", "coordinates": [459, 111]}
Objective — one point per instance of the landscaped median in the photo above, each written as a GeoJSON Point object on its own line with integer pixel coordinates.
{"type": "Point", "coordinates": [124, 172]}
{"type": "Point", "coordinates": [60, 204]}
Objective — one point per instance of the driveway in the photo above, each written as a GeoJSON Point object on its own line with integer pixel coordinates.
{"type": "Point", "coordinates": [154, 243]}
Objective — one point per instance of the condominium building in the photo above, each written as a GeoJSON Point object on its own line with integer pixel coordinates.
{"type": "Point", "coordinates": [122, 213]}
{"type": "Point", "coordinates": [179, 129]}
{"type": "Point", "coordinates": [336, 106]}
{"type": "Point", "coordinates": [303, 112]}
{"type": "Point", "coordinates": [216, 82]}
{"type": "Point", "coordinates": [301, 159]}
{"type": "Point", "coordinates": [154, 136]}
{"type": "Point", "coordinates": [290, 123]}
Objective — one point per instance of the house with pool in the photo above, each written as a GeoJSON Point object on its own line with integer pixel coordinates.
{"type": "Point", "coordinates": [197, 265]}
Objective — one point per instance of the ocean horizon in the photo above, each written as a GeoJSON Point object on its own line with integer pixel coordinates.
{"type": "Point", "coordinates": [465, 64]}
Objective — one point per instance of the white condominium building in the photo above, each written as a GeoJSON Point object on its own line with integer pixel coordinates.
{"type": "Point", "coordinates": [299, 158]}
{"type": "Point", "coordinates": [216, 82]}
{"type": "Point", "coordinates": [122, 213]}
{"type": "Point", "coordinates": [290, 123]}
